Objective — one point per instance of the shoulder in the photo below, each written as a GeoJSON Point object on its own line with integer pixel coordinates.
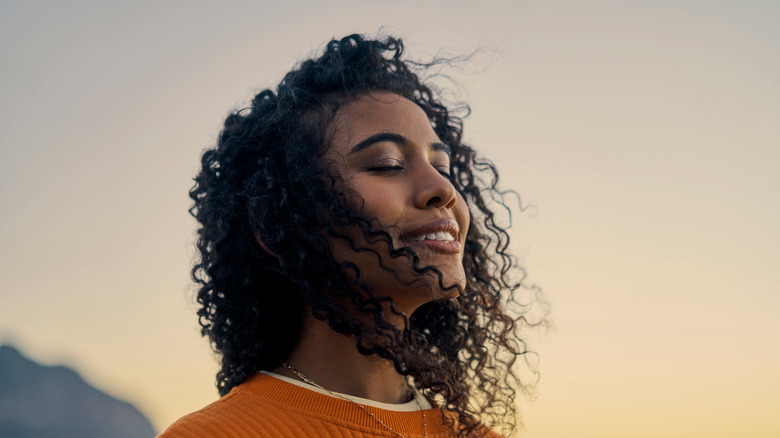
{"type": "Point", "coordinates": [213, 421]}
{"type": "Point", "coordinates": [258, 408]}
{"type": "Point", "coordinates": [239, 413]}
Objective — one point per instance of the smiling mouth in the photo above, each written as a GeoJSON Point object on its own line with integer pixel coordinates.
{"type": "Point", "coordinates": [439, 236]}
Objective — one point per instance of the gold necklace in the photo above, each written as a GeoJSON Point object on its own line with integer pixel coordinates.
{"type": "Point", "coordinates": [316, 385]}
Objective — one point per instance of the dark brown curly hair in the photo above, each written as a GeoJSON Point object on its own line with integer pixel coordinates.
{"type": "Point", "coordinates": [265, 179]}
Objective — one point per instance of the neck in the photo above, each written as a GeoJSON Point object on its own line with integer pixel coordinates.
{"type": "Point", "coordinates": [332, 361]}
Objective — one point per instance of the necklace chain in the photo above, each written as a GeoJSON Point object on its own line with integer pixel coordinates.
{"type": "Point", "coordinates": [316, 385]}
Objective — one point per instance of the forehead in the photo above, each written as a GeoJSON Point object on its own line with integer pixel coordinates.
{"type": "Point", "coordinates": [379, 112]}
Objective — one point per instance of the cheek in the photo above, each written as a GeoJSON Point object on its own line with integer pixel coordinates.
{"type": "Point", "coordinates": [462, 216]}
{"type": "Point", "coordinates": [386, 206]}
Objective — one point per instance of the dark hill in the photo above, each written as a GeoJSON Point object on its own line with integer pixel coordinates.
{"type": "Point", "coordinates": [39, 401]}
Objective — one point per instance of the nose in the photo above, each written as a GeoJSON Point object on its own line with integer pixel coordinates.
{"type": "Point", "coordinates": [433, 190]}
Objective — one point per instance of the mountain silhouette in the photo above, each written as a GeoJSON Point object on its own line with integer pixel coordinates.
{"type": "Point", "coordinates": [38, 401]}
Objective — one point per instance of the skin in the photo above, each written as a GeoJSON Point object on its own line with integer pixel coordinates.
{"type": "Point", "coordinates": [388, 153]}
{"type": "Point", "coordinates": [390, 157]}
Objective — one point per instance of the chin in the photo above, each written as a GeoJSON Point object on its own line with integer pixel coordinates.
{"type": "Point", "coordinates": [452, 284]}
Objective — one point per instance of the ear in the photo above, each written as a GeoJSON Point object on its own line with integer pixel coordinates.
{"type": "Point", "coordinates": [263, 245]}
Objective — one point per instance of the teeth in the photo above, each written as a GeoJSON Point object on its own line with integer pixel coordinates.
{"type": "Point", "coordinates": [441, 236]}
{"type": "Point", "coordinates": [444, 236]}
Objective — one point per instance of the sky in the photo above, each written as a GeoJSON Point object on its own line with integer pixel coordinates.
{"type": "Point", "coordinates": [644, 135]}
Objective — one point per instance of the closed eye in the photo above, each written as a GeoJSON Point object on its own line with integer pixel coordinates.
{"type": "Point", "coordinates": [445, 172]}
{"type": "Point", "coordinates": [385, 169]}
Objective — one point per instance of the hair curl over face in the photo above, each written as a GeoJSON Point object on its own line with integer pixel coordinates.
{"type": "Point", "coordinates": [265, 181]}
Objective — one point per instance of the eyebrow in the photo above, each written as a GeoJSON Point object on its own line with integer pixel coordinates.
{"type": "Point", "coordinates": [397, 139]}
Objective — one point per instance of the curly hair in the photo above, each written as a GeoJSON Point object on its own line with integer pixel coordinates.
{"type": "Point", "coordinates": [265, 181]}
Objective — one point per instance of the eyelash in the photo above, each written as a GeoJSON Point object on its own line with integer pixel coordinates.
{"type": "Point", "coordinates": [444, 173]}
{"type": "Point", "coordinates": [385, 168]}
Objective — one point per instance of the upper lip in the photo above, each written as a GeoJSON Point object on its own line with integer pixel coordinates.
{"type": "Point", "coordinates": [448, 225]}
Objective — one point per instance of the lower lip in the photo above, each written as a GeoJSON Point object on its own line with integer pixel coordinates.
{"type": "Point", "coordinates": [442, 247]}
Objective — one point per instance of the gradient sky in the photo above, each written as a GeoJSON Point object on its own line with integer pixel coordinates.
{"type": "Point", "coordinates": [646, 134]}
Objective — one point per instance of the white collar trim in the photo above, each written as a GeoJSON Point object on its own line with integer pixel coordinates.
{"type": "Point", "coordinates": [409, 406]}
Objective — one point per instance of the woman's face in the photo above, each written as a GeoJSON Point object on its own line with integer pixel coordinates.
{"type": "Point", "coordinates": [388, 153]}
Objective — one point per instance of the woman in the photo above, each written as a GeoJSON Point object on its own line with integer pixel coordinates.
{"type": "Point", "coordinates": [352, 277]}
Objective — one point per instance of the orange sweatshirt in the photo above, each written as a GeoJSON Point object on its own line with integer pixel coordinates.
{"type": "Point", "coordinates": [265, 406]}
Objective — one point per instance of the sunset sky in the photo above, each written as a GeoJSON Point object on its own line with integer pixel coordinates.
{"type": "Point", "coordinates": [644, 134]}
